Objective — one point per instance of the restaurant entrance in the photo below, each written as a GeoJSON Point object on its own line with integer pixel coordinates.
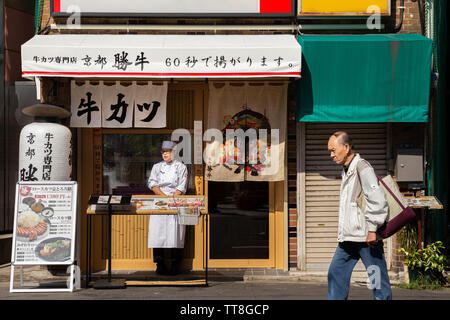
{"type": "Point", "coordinates": [246, 225]}
{"type": "Point", "coordinates": [239, 220]}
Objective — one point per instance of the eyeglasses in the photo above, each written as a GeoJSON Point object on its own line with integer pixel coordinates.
{"type": "Point", "coordinates": [164, 151]}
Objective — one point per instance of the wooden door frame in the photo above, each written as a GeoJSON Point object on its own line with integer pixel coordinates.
{"type": "Point", "coordinates": [278, 220]}
{"type": "Point", "coordinates": [276, 236]}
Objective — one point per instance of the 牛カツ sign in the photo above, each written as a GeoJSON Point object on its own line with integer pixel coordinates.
{"type": "Point", "coordinates": [181, 8]}
{"type": "Point", "coordinates": [139, 105]}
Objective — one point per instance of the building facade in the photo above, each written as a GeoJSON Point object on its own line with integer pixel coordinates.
{"type": "Point", "coordinates": [288, 223]}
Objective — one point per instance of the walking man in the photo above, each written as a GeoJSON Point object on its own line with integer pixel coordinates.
{"type": "Point", "coordinates": [357, 238]}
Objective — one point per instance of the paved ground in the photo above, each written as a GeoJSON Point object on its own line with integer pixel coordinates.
{"type": "Point", "coordinates": [222, 286]}
{"type": "Point", "coordinates": [225, 290]}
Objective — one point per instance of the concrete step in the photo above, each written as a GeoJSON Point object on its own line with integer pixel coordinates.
{"type": "Point", "coordinates": [358, 276]}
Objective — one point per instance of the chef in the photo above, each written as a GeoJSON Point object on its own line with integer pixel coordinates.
{"type": "Point", "coordinates": [165, 235]}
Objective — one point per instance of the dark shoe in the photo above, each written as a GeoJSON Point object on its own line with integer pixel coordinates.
{"type": "Point", "coordinates": [161, 269]}
{"type": "Point", "coordinates": [174, 268]}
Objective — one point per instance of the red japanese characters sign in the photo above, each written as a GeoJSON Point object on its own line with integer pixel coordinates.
{"type": "Point", "coordinates": [180, 8]}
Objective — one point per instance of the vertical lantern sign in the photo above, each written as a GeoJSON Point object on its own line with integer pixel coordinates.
{"type": "Point", "coordinates": [45, 152]}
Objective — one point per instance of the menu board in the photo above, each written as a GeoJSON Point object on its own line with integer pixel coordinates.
{"type": "Point", "coordinates": [44, 223]}
{"type": "Point", "coordinates": [117, 202]}
{"type": "Point", "coordinates": [145, 204]}
{"type": "Point", "coordinates": [429, 202]}
{"type": "Point", "coordinates": [167, 203]}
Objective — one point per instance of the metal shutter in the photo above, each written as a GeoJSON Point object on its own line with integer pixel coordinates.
{"type": "Point", "coordinates": [320, 179]}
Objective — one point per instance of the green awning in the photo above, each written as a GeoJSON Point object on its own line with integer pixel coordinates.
{"type": "Point", "coordinates": [364, 78]}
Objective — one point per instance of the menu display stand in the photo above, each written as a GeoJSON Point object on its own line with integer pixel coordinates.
{"type": "Point", "coordinates": [110, 205]}
{"type": "Point", "coordinates": [110, 201]}
{"type": "Point", "coordinates": [423, 204]}
{"type": "Point", "coordinates": [45, 232]}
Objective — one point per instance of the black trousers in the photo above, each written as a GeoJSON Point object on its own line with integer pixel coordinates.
{"type": "Point", "coordinates": [174, 255]}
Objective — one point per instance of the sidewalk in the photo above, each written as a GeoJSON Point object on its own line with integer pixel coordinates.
{"type": "Point", "coordinates": [224, 284]}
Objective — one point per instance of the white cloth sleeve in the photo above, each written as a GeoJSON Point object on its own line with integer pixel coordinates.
{"type": "Point", "coordinates": [376, 205]}
{"type": "Point", "coordinates": [183, 174]}
{"type": "Point", "coordinates": [154, 177]}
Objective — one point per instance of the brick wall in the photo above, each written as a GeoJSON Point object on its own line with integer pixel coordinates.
{"type": "Point", "coordinates": [46, 18]}
{"type": "Point", "coordinates": [411, 19]}
{"type": "Point", "coordinates": [397, 258]}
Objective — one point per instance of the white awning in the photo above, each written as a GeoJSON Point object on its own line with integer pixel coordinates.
{"type": "Point", "coordinates": [161, 56]}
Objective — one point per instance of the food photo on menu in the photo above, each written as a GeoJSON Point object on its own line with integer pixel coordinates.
{"type": "Point", "coordinates": [54, 249]}
{"type": "Point", "coordinates": [31, 225]}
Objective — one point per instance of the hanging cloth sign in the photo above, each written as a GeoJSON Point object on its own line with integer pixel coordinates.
{"type": "Point", "coordinates": [150, 105]}
{"type": "Point", "coordinates": [118, 105]}
{"type": "Point", "coordinates": [86, 103]}
{"type": "Point", "coordinates": [252, 123]}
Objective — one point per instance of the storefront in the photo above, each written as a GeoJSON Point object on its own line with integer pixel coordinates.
{"type": "Point", "coordinates": [375, 87]}
{"type": "Point", "coordinates": [128, 93]}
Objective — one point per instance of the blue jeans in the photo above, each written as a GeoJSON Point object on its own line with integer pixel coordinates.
{"type": "Point", "coordinates": [344, 260]}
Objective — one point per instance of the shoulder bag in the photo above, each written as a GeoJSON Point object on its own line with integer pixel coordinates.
{"type": "Point", "coordinates": [399, 215]}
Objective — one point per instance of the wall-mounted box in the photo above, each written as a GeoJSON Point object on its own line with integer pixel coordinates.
{"type": "Point", "coordinates": [409, 165]}
{"type": "Point", "coordinates": [343, 7]}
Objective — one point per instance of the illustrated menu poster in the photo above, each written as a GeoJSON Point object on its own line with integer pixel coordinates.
{"type": "Point", "coordinates": [44, 223]}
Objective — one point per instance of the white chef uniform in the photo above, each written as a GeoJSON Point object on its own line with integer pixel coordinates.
{"type": "Point", "coordinates": [164, 230]}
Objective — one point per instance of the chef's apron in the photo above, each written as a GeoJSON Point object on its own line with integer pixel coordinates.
{"type": "Point", "coordinates": [164, 230]}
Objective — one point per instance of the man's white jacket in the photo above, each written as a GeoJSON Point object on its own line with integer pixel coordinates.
{"type": "Point", "coordinates": [353, 223]}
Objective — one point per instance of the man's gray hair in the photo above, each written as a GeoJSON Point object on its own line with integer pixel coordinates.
{"type": "Point", "coordinates": [343, 138]}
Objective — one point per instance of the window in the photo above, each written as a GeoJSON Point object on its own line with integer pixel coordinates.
{"type": "Point", "coordinates": [128, 160]}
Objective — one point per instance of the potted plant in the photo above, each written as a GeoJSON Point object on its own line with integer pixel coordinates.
{"type": "Point", "coordinates": [426, 266]}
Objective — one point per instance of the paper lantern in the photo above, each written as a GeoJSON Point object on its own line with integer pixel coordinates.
{"type": "Point", "coordinates": [45, 152]}
{"type": "Point", "coordinates": [45, 149]}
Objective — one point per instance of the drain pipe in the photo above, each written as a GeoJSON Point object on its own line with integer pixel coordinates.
{"type": "Point", "coordinates": [402, 12]}
{"type": "Point", "coordinates": [292, 28]}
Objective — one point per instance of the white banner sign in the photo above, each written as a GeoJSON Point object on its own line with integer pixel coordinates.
{"type": "Point", "coordinates": [161, 56]}
{"type": "Point", "coordinates": [118, 105]}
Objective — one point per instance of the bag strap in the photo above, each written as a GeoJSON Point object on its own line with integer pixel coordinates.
{"type": "Point", "coordinates": [359, 178]}
{"type": "Point", "coordinates": [385, 186]}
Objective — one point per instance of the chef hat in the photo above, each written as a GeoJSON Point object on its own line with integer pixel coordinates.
{"type": "Point", "coordinates": [168, 145]}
